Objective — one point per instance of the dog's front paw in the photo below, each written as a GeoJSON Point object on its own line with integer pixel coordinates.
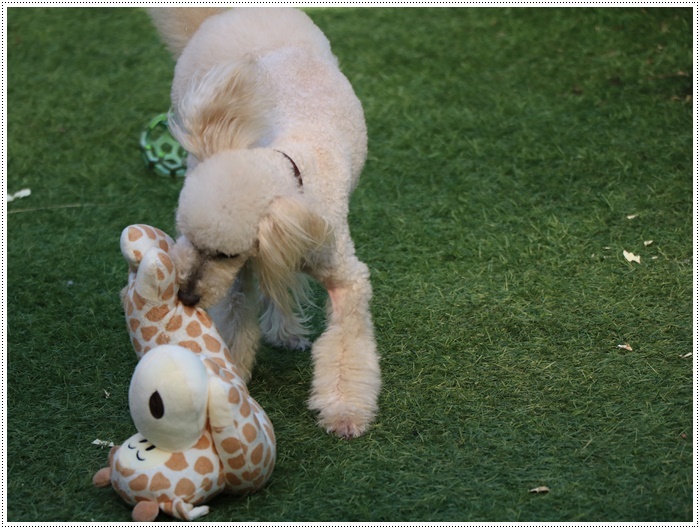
{"type": "Point", "coordinates": [347, 422]}
{"type": "Point", "coordinates": [346, 429]}
{"type": "Point", "coordinates": [346, 382]}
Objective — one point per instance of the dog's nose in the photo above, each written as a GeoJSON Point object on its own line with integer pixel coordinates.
{"type": "Point", "coordinates": [188, 298]}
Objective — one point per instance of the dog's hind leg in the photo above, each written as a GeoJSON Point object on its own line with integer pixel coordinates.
{"type": "Point", "coordinates": [283, 328]}
{"type": "Point", "coordinates": [346, 364]}
{"type": "Point", "coordinates": [236, 318]}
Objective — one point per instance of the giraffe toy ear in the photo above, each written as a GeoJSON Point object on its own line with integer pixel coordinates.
{"type": "Point", "coordinates": [155, 278]}
{"type": "Point", "coordinates": [137, 239]}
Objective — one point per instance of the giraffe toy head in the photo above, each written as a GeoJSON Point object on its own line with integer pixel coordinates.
{"type": "Point", "coordinates": [199, 430]}
{"type": "Point", "coordinates": [154, 480]}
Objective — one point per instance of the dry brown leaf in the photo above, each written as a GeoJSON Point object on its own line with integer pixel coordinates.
{"type": "Point", "coordinates": [540, 490]}
{"type": "Point", "coordinates": [625, 346]}
{"type": "Point", "coordinates": [631, 257]}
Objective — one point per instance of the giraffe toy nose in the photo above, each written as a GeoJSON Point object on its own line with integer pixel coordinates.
{"type": "Point", "coordinates": [188, 298]}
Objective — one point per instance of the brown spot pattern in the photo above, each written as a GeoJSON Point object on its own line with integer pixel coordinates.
{"type": "Point", "coordinates": [211, 365]}
{"type": "Point", "coordinates": [229, 358]}
{"type": "Point", "coordinates": [139, 300]}
{"type": "Point", "coordinates": [220, 362]}
{"type": "Point", "coordinates": [233, 396]}
{"type": "Point", "coordinates": [204, 319]}
{"type": "Point", "coordinates": [149, 231]}
{"type": "Point", "coordinates": [236, 462]}
{"type": "Point", "coordinates": [232, 479]}
{"type": "Point", "coordinates": [184, 488]}
{"type": "Point", "coordinates": [174, 324]}
{"type": "Point", "coordinates": [134, 234]}
{"type": "Point", "coordinates": [231, 445]}
{"type": "Point", "coordinates": [159, 482]}
{"type": "Point", "coordinates": [167, 262]}
{"type": "Point", "coordinates": [203, 466]}
{"type": "Point", "coordinates": [157, 313]}
{"type": "Point", "coordinates": [257, 454]}
{"type": "Point", "coordinates": [139, 483]}
{"type": "Point", "coordinates": [168, 292]}
{"type": "Point", "coordinates": [126, 472]}
{"type": "Point", "coordinates": [250, 476]}
{"type": "Point", "coordinates": [193, 329]}
{"type": "Point", "coordinates": [211, 343]}
{"type": "Point", "coordinates": [202, 444]}
{"type": "Point", "coordinates": [191, 345]}
{"type": "Point", "coordinates": [148, 332]}
{"type": "Point", "coordinates": [177, 461]}
{"type": "Point", "coordinates": [249, 432]}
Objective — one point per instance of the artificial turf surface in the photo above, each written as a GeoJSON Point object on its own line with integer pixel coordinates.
{"type": "Point", "coordinates": [513, 155]}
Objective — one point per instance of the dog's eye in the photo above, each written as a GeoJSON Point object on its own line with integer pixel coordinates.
{"type": "Point", "coordinates": [221, 255]}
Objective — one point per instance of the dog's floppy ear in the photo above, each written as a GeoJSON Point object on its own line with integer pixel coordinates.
{"type": "Point", "coordinates": [286, 236]}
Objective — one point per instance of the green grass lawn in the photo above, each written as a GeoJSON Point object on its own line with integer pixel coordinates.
{"type": "Point", "coordinates": [514, 154]}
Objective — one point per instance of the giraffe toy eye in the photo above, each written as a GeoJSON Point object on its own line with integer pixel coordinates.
{"type": "Point", "coordinates": [155, 404]}
{"type": "Point", "coordinates": [168, 397]}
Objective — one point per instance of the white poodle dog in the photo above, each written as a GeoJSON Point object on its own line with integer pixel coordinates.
{"type": "Point", "coordinates": [276, 140]}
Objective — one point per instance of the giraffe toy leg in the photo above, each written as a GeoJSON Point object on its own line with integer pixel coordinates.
{"type": "Point", "coordinates": [182, 510]}
{"type": "Point", "coordinates": [145, 511]}
{"type": "Point", "coordinates": [243, 436]}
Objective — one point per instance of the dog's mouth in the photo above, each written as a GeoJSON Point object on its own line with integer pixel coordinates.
{"type": "Point", "coordinates": [206, 275]}
{"type": "Point", "coordinates": [187, 293]}
{"type": "Point", "coordinates": [189, 298]}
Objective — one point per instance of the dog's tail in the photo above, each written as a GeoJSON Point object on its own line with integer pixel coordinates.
{"type": "Point", "coordinates": [176, 25]}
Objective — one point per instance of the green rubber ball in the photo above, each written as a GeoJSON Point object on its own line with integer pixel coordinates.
{"type": "Point", "coordinates": [161, 152]}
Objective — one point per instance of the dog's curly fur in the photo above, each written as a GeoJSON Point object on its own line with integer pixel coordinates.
{"type": "Point", "coordinates": [276, 140]}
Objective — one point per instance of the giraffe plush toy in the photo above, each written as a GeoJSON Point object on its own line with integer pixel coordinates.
{"type": "Point", "coordinates": [200, 432]}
